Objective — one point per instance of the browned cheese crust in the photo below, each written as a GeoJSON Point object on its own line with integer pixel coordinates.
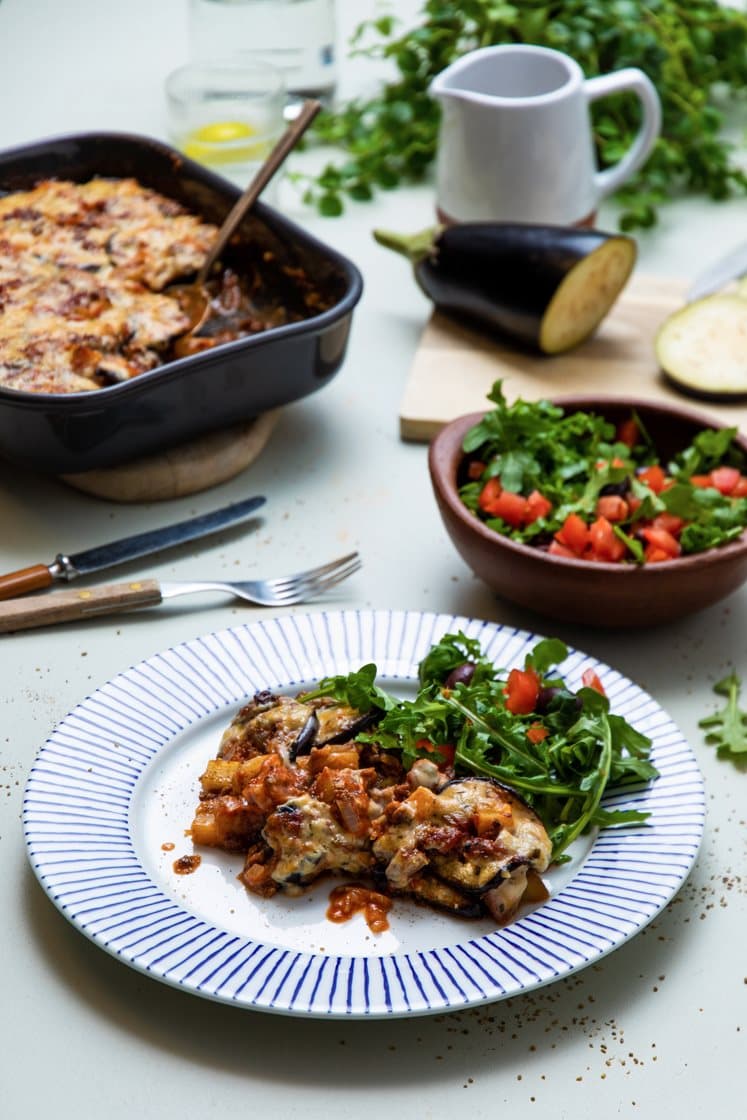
{"type": "Point", "coordinates": [82, 272]}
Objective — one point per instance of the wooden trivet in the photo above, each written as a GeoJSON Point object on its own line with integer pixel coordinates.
{"type": "Point", "coordinates": [182, 470]}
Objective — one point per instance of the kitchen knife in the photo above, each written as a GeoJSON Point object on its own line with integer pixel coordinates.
{"type": "Point", "coordinates": [129, 548]}
{"type": "Point", "coordinates": [713, 278]}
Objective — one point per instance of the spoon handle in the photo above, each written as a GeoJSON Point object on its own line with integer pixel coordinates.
{"type": "Point", "coordinates": [277, 156]}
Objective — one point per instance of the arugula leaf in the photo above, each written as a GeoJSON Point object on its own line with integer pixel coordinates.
{"type": "Point", "coordinates": [547, 653]}
{"type": "Point", "coordinates": [449, 653]}
{"type": "Point", "coordinates": [359, 690]}
{"type": "Point", "coordinates": [726, 729]}
{"type": "Point", "coordinates": [709, 449]}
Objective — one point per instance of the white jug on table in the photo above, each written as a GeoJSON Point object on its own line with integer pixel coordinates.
{"type": "Point", "coordinates": [516, 142]}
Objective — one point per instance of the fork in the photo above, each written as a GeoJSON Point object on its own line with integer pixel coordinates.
{"type": "Point", "coordinates": [66, 606]}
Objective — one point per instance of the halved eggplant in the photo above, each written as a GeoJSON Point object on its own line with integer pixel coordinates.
{"type": "Point", "coordinates": [702, 348]}
{"type": "Point", "coordinates": [548, 287]}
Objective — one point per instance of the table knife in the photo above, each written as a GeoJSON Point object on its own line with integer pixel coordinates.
{"type": "Point", "coordinates": [128, 548]}
{"type": "Point", "coordinates": [713, 278]}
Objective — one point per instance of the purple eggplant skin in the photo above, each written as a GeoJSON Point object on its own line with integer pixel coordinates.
{"type": "Point", "coordinates": [504, 277]}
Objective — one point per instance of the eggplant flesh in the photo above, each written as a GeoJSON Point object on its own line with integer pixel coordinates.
{"type": "Point", "coordinates": [547, 287]}
{"type": "Point", "coordinates": [474, 837]}
{"type": "Point", "coordinates": [702, 348]}
{"type": "Point", "coordinates": [289, 727]}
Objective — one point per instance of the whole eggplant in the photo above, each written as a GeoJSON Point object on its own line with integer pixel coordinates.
{"type": "Point", "coordinates": [547, 287]}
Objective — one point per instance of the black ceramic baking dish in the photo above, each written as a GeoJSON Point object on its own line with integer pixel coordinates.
{"type": "Point", "coordinates": [68, 433]}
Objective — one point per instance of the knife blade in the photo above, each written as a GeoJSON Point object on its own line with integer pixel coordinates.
{"type": "Point", "coordinates": [127, 548]}
{"type": "Point", "coordinates": [713, 278]}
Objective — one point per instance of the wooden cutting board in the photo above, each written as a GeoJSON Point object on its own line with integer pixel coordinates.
{"type": "Point", "coordinates": [454, 367]}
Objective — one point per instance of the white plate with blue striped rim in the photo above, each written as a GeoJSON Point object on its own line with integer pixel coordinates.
{"type": "Point", "coordinates": [113, 790]}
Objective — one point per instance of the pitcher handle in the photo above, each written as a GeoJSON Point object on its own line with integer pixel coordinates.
{"type": "Point", "coordinates": [639, 83]}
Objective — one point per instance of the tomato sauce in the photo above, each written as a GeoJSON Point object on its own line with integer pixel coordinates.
{"type": "Point", "coordinates": [185, 865]}
{"type": "Point", "coordinates": [351, 898]}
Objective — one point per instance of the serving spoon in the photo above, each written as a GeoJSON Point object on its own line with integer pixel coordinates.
{"type": "Point", "coordinates": [194, 298]}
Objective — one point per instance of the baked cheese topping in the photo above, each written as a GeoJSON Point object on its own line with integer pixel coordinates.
{"type": "Point", "coordinates": [83, 268]}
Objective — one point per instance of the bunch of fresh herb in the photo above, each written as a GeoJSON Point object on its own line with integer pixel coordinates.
{"type": "Point", "coordinates": [563, 773]}
{"type": "Point", "coordinates": [694, 52]}
{"type": "Point", "coordinates": [726, 729]}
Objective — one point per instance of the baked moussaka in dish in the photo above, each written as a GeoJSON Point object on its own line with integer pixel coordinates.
{"type": "Point", "coordinates": [85, 272]}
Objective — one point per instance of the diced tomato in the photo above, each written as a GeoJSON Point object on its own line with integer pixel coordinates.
{"type": "Point", "coordinates": [615, 462]}
{"type": "Point", "coordinates": [654, 555]}
{"type": "Point", "coordinates": [444, 752]}
{"type": "Point", "coordinates": [670, 522]}
{"type": "Point", "coordinates": [654, 478]}
{"type": "Point", "coordinates": [725, 479]}
{"type": "Point", "coordinates": [475, 469]}
{"type": "Point", "coordinates": [490, 491]}
{"type": "Point", "coordinates": [604, 544]}
{"type": "Point", "coordinates": [536, 733]}
{"type": "Point", "coordinates": [634, 503]}
{"type": "Point", "coordinates": [522, 691]}
{"type": "Point", "coordinates": [613, 507]}
{"type": "Point", "coordinates": [701, 481]}
{"type": "Point", "coordinates": [573, 534]}
{"type": "Point", "coordinates": [558, 549]}
{"type": "Point", "coordinates": [661, 539]}
{"type": "Point", "coordinates": [627, 433]}
{"type": "Point", "coordinates": [740, 490]}
{"type": "Point", "coordinates": [589, 679]}
{"type": "Point", "coordinates": [537, 506]}
{"type": "Point", "coordinates": [510, 507]}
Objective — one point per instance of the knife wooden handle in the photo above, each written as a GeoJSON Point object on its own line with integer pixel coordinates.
{"type": "Point", "coordinates": [26, 579]}
{"type": "Point", "coordinates": [66, 606]}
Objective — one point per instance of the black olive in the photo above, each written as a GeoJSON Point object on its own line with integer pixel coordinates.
{"type": "Point", "coordinates": [463, 674]}
{"type": "Point", "coordinates": [618, 488]}
{"type": "Point", "coordinates": [545, 698]}
{"type": "Point", "coordinates": [547, 695]}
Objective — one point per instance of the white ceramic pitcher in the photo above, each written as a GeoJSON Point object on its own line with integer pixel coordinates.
{"type": "Point", "coordinates": [515, 142]}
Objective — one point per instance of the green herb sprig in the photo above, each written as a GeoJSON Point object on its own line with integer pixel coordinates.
{"type": "Point", "coordinates": [694, 52]}
{"type": "Point", "coordinates": [726, 729]}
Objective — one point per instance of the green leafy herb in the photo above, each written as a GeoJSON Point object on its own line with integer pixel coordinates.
{"type": "Point", "coordinates": [359, 690]}
{"type": "Point", "coordinates": [563, 772]}
{"type": "Point", "coordinates": [694, 52]}
{"type": "Point", "coordinates": [726, 729]}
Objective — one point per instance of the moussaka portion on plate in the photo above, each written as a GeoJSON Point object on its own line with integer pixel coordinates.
{"type": "Point", "coordinates": [296, 791]}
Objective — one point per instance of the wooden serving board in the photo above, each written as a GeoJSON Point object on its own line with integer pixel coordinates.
{"type": "Point", "coordinates": [454, 367]}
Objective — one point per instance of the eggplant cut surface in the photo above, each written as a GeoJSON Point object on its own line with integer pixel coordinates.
{"type": "Point", "coordinates": [545, 287]}
{"type": "Point", "coordinates": [702, 348]}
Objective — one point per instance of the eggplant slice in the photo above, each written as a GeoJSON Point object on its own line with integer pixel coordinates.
{"type": "Point", "coordinates": [702, 348]}
{"type": "Point", "coordinates": [475, 836]}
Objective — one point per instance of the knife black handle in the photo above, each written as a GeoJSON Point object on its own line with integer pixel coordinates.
{"type": "Point", "coordinates": [26, 579]}
{"type": "Point", "coordinates": [67, 606]}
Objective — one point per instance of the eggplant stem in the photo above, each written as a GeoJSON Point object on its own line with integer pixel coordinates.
{"type": "Point", "coordinates": [415, 246]}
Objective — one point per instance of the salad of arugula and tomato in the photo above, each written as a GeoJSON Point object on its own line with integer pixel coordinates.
{"type": "Point", "coordinates": [580, 487]}
{"type": "Point", "coordinates": [559, 749]}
